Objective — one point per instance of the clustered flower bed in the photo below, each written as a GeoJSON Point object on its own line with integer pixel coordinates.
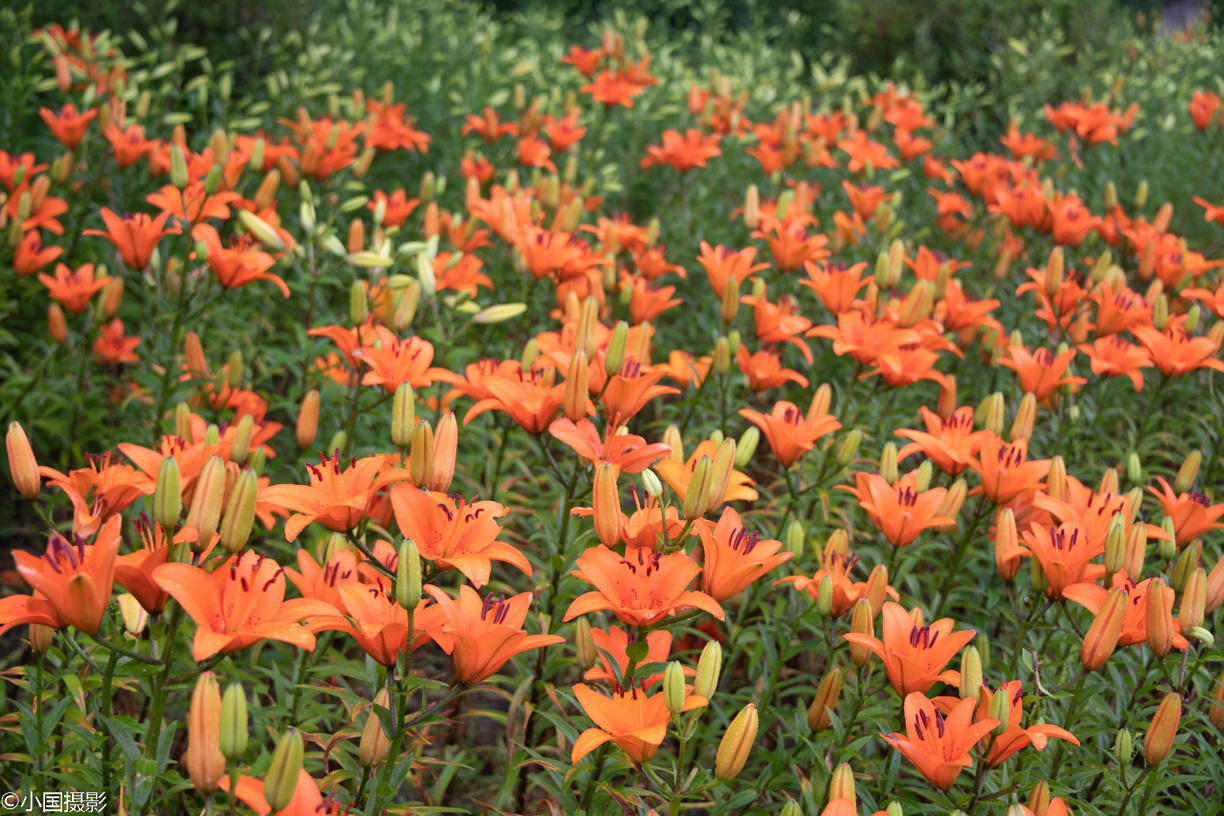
{"type": "Point", "coordinates": [783, 462]}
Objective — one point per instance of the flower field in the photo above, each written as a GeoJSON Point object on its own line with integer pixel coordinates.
{"type": "Point", "coordinates": [472, 413]}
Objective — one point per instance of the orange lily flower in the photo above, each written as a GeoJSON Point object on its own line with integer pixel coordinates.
{"type": "Point", "coordinates": [239, 263]}
{"type": "Point", "coordinates": [1014, 737]}
{"type": "Point", "coordinates": [239, 603]}
{"type": "Point", "coordinates": [99, 491]}
{"type": "Point", "coordinates": [31, 255]}
{"type": "Point", "coordinates": [1005, 473]}
{"type": "Point", "coordinates": [16, 610]}
{"type": "Point", "coordinates": [686, 369]}
{"type": "Point", "coordinates": [76, 578]}
{"type": "Point", "coordinates": [950, 443]}
{"type": "Point", "coordinates": [488, 126]}
{"type": "Point", "coordinates": [1203, 107]}
{"type": "Point", "coordinates": [763, 369]}
{"type": "Point", "coordinates": [322, 583]}
{"type": "Point", "coordinates": [648, 526]}
{"type": "Point", "coordinates": [1114, 357]}
{"type": "Point", "coordinates": [192, 204]}
{"type": "Point", "coordinates": [529, 397]}
{"type": "Point", "coordinates": [635, 721]}
{"type": "Point", "coordinates": [73, 288]}
{"type": "Point", "coordinates": [69, 126]}
{"type": "Point", "coordinates": [480, 636]}
{"type": "Point", "coordinates": [733, 557]}
{"type": "Point", "coordinates": [899, 511]}
{"type": "Point", "coordinates": [1191, 512]}
{"type": "Point", "coordinates": [396, 361]}
{"type": "Point", "coordinates": [113, 346]}
{"type": "Point", "coordinates": [939, 747]}
{"type": "Point", "coordinates": [1175, 352]}
{"type": "Point", "coordinates": [837, 567]}
{"type": "Point", "coordinates": [337, 499]}
{"type": "Point", "coordinates": [835, 284]}
{"type": "Point", "coordinates": [789, 243]}
{"type": "Point", "coordinates": [864, 151]}
{"type": "Point", "coordinates": [678, 475]}
{"type": "Point", "coordinates": [625, 452]}
{"type": "Point", "coordinates": [134, 236]}
{"type": "Point", "coordinates": [789, 432]}
{"type": "Point", "coordinates": [379, 624]}
{"type": "Point", "coordinates": [453, 533]}
{"type": "Point", "coordinates": [1064, 553]}
{"type": "Point", "coordinates": [864, 337]}
{"type": "Point", "coordinates": [614, 644]}
{"type": "Point", "coordinates": [722, 264]}
{"type": "Point", "coordinates": [134, 571]}
{"type": "Point", "coordinates": [641, 588]}
{"type": "Point", "coordinates": [1041, 372]}
{"type": "Point", "coordinates": [780, 322]}
{"type": "Point", "coordinates": [683, 152]}
{"type": "Point", "coordinates": [612, 89]}
{"type": "Point", "coordinates": [130, 145]}
{"type": "Point", "coordinates": [914, 655]}
{"type": "Point", "coordinates": [629, 391]}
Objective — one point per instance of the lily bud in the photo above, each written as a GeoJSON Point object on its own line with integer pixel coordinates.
{"type": "Point", "coordinates": [614, 357]}
{"type": "Point", "coordinates": [752, 207]}
{"type": "Point", "coordinates": [531, 353]}
{"type": "Point", "coordinates": [793, 538]}
{"type": "Point", "coordinates": [1188, 472]}
{"type": "Point", "coordinates": [1160, 313]}
{"type": "Point", "coordinates": [1054, 273]}
{"type": "Point", "coordinates": [178, 167]}
{"type": "Point", "coordinates": [420, 461]}
{"type": "Point", "coordinates": [922, 476]}
{"type": "Point", "coordinates": [281, 778]}
{"type": "Point", "coordinates": [877, 587]}
{"type": "Point", "coordinates": [406, 301]}
{"type": "Point", "coordinates": [403, 416]}
{"type": "Point", "coordinates": [709, 665]}
{"type": "Point", "coordinates": [827, 696]}
{"type": "Point", "coordinates": [408, 575]}
{"type": "Point", "coordinates": [1215, 708]}
{"type": "Point", "coordinates": [847, 449]}
{"type": "Point", "coordinates": [862, 623]}
{"type": "Point", "coordinates": [730, 301]}
{"type": "Point", "coordinates": [945, 406]}
{"type": "Point", "coordinates": [1115, 545]}
{"type": "Point", "coordinates": [1056, 481]}
{"type": "Point", "coordinates": [584, 644]}
{"type": "Point", "coordinates": [720, 472]}
{"type": "Point", "coordinates": [841, 784]}
{"type": "Point", "coordinates": [57, 326]}
{"type": "Point", "coordinates": [607, 505]}
{"type": "Point", "coordinates": [205, 509]}
{"type": "Point", "coordinates": [671, 438]}
{"type": "Point", "coordinates": [233, 732]}
{"type": "Point", "coordinates": [584, 334]}
{"type": "Point", "coordinates": [991, 413]}
{"type": "Point", "coordinates": [791, 808]}
{"type": "Point", "coordinates": [999, 709]}
{"type": "Point", "coordinates": [375, 745]}
{"type": "Point", "coordinates": [1102, 636]}
{"type": "Point", "coordinates": [446, 446]}
{"type": "Point", "coordinates": [240, 512]}
{"type": "Point", "coordinates": [1158, 742]}
{"type": "Point", "coordinates": [888, 463]}
{"type": "Point", "coordinates": [954, 499]}
{"type": "Point", "coordinates": [262, 230]}
{"type": "Point", "coordinates": [1026, 415]}
{"type": "Point", "coordinates": [673, 688]}
{"type": "Point", "coordinates": [697, 496]}
{"type": "Point", "coordinates": [747, 445]}
{"type": "Point", "coordinates": [359, 303]}
{"type": "Point", "coordinates": [736, 744]}
{"type": "Point", "coordinates": [1158, 617]}
{"type": "Point", "coordinates": [1185, 565]}
{"type": "Point", "coordinates": [971, 674]}
{"type": "Point", "coordinates": [721, 362]}
{"type": "Point", "coordinates": [1193, 601]}
{"type": "Point", "coordinates": [1136, 549]}
{"type": "Point", "coordinates": [577, 387]}
{"type": "Point", "coordinates": [338, 442]}
{"type": "Point", "coordinates": [1123, 747]}
{"type": "Point", "coordinates": [1215, 585]}
{"type": "Point", "coordinates": [203, 759]}
{"type": "Point", "coordinates": [308, 419]}
{"type": "Point", "coordinates": [651, 483]}
{"type": "Point", "coordinates": [22, 465]}
{"type": "Point", "coordinates": [1006, 538]}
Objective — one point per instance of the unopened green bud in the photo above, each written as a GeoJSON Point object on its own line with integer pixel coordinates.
{"type": "Point", "coordinates": [791, 808]}
{"type": "Point", "coordinates": [241, 445]}
{"type": "Point", "coordinates": [848, 448]}
{"type": "Point", "coordinates": [212, 183]}
{"type": "Point", "coordinates": [1188, 472]}
{"type": "Point", "coordinates": [359, 303]}
{"type": "Point", "coordinates": [614, 358]}
{"type": "Point", "coordinates": [531, 353]}
{"type": "Point", "coordinates": [709, 665]}
{"type": "Point", "coordinates": [178, 167]}
{"type": "Point", "coordinates": [1124, 747]}
{"type": "Point", "coordinates": [1141, 194]}
{"type": "Point", "coordinates": [233, 722]}
{"type": "Point", "coordinates": [651, 483]}
{"type": "Point", "coordinates": [406, 302]}
{"type": "Point", "coordinates": [212, 434]}
{"type": "Point", "coordinates": [408, 575]}
{"type": "Point", "coordinates": [1000, 709]}
{"type": "Point", "coordinates": [240, 512]}
{"type": "Point", "coordinates": [182, 420]}
{"type": "Point", "coordinates": [1115, 545]}
{"type": "Point", "coordinates": [281, 778]}
{"type": "Point", "coordinates": [1134, 467]}
{"type": "Point", "coordinates": [167, 495]}
{"type": "Point", "coordinates": [922, 477]}
{"type": "Point", "coordinates": [888, 463]}
{"type": "Point", "coordinates": [673, 688]}
{"type": "Point", "coordinates": [824, 596]}
{"type": "Point", "coordinates": [894, 809]}
{"type": "Point", "coordinates": [794, 537]}
{"type": "Point", "coordinates": [403, 416]}
{"type": "Point", "coordinates": [1168, 545]}
{"type": "Point", "coordinates": [697, 496]}
{"type": "Point", "coordinates": [971, 674]}
{"type": "Point", "coordinates": [746, 446]}
{"type": "Point", "coordinates": [1193, 315]}
{"type": "Point", "coordinates": [1160, 312]}
{"type": "Point", "coordinates": [722, 356]}
{"type": "Point", "coordinates": [205, 510]}
{"type": "Point", "coordinates": [584, 644]}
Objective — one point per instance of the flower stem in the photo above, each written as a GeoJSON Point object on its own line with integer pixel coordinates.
{"type": "Point", "coordinates": [160, 684]}
{"type": "Point", "coordinates": [589, 790]}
